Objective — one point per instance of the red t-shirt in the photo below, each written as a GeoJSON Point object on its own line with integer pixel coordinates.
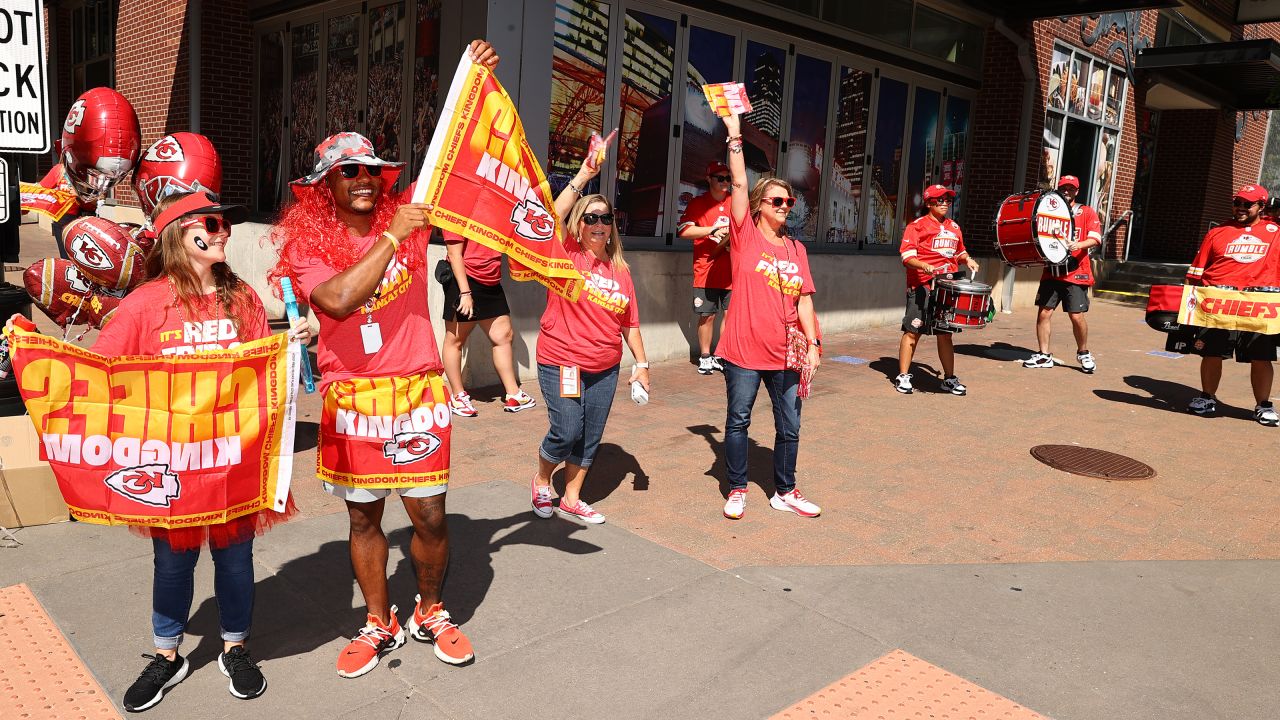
{"type": "Point", "coordinates": [482, 264]}
{"type": "Point", "coordinates": [1079, 270]}
{"type": "Point", "coordinates": [587, 333]}
{"type": "Point", "coordinates": [768, 282]}
{"type": "Point", "coordinates": [398, 308]}
{"type": "Point", "coordinates": [1238, 256]}
{"type": "Point", "coordinates": [940, 244]}
{"type": "Point", "coordinates": [708, 272]}
{"type": "Point", "coordinates": [150, 321]}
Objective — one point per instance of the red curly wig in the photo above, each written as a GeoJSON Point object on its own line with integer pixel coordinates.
{"type": "Point", "coordinates": [308, 229]}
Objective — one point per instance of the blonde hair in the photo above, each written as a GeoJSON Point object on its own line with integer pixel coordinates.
{"type": "Point", "coordinates": [757, 193]}
{"type": "Point", "coordinates": [612, 246]}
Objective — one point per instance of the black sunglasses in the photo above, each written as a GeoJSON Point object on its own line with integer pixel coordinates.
{"type": "Point", "coordinates": [780, 201]}
{"type": "Point", "coordinates": [350, 172]}
{"type": "Point", "coordinates": [1244, 203]}
{"type": "Point", "coordinates": [721, 178]}
{"type": "Point", "coordinates": [593, 218]}
{"type": "Point", "coordinates": [213, 224]}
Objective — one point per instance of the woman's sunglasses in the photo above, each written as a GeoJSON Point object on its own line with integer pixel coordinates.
{"type": "Point", "coordinates": [780, 201]}
{"type": "Point", "coordinates": [350, 172]}
{"type": "Point", "coordinates": [593, 218]}
{"type": "Point", "coordinates": [212, 224]}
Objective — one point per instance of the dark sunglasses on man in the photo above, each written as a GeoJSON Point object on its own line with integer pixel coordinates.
{"type": "Point", "coordinates": [780, 201]}
{"type": "Point", "coordinates": [721, 178]}
{"type": "Point", "coordinates": [593, 218]}
{"type": "Point", "coordinates": [213, 224]}
{"type": "Point", "coordinates": [350, 172]}
{"type": "Point", "coordinates": [1240, 202]}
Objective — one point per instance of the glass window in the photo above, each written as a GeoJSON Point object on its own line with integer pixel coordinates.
{"type": "Point", "coordinates": [270, 120]}
{"type": "Point", "coordinates": [304, 54]}
{"type": "Point", "coordinates": [886, 162]}
{"type": "Point", "coordinates": [1059, 78]}
{"type": "Point", "coordinates": [1049, 162]}
{"type": "Point", "coordinates": [808, 7]}
{"type": "Point", "coordinates": [578, 60]}
{"type": "Point", "coordinates": [644, 134]}
{"type": "Point", "coordinates": [385, 79]}
{"type": "Point", "coordinates": [955, 140]}
{"type": "Point", "coordinates": [1097, 79]}
{"type": "Point", "coordinates": [1104, 173]}
{"type": "Point", "coordinates": [702, 138]}
{"type": "Point", "coordinates": [426, 77]}
{"type": "Point", "coordinates": [807, 143]}
{"type": "Point", "coordinates": [343, 74]}
{"type": "Point", "coordinates": [1075, 85]}
{"type": "Point", "coordinates": [923, 154]}
{"type": "Point", "coordinates": [762, 127]}
{"type": "Point", "coordinates": [947, 38]}
{"type": "Point", "coordinates": [1115, 96]}
{"type": "Point", "coordinates": [888, 20]}
{"type": "Point", "coordinates": [844, 183]}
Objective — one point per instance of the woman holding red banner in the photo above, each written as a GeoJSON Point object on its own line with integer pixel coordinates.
{"type": "Point", "coordinates": [773, 299]}
{"type": "Point", "coordinates": [579, 348]}
{"type": "Point", "coordinates": [195, 303]}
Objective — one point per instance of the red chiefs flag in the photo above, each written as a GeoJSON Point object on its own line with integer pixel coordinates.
{"type": "Point", "coordinates": [487, 186]}
{"type": "Point", "coordinates": [172, 441]}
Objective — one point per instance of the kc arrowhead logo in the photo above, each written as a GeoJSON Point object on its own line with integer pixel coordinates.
{"type": "Point", "coordinates": [532, 221]}
{"type": "Point", "coordinates": [88, 253]}
{"type": "Point", "coordinates": [150, 485]}
{"type": "Point", "coordinates": [408, 447]}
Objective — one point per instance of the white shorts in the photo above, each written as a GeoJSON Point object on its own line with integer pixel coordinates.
{"type": "Point", "coordinates": [364, 495]}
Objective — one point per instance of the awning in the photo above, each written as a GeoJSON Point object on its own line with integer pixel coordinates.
{"type": "Point", "coordinates": [1241, 75]}
{"type": "Point", "coordinates": [1031, 9]}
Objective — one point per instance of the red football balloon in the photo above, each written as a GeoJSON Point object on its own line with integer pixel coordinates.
{"type": "Point", "coordinates": [101, 140]}
{"type": "Point", "coordinates": [100, 307]}
{"type": "Point", "coordinates": [58, 288]}
{"type": "Point", "coordinates": [178, 163]}
{"type": "Point", "coordinates": [105, 253]}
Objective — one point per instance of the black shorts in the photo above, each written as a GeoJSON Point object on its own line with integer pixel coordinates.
{"type": "Point", "coordinates": [709, 301]}
{"type": "Point", "coordinates": [1074, 298]}
{"type": "Point", "coordinates": [918, 318]}
{"type": "Point", "coordinates": [1213, 342]}
{"type": "Point", "coordinates": [487, 301]}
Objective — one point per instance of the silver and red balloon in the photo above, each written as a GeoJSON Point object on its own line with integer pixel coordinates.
{"type": "Point", "coordinates": [101, 140]}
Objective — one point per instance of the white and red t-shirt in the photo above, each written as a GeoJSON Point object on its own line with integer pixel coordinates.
{"type": "Point", "coordinates": [1079, 268]}
{"type": "Point", "coordinates": [768, 281]}
{"type": "Point", "coordinates": [482, 264]}
{"type": "Point", "coordinates": [708, 272]}
{"type": "Point", "coordinates": [941, 244]}
{"type": "Point", "coordinates": [398, 307]}
{"type": "Point", "coordinates": [1238, 256]}
{"type": "Point", "coordinates": [150, 321]}
{"type": "Point", "coordinates": [588, 333]}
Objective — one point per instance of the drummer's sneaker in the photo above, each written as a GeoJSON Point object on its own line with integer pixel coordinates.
{"type": "Point", "coordinates": [705, 365]}
{"type": "Point", "coordinates": [1265, 414]}
{"type": "Point", "coordinates": [1039, 360]}
{"type": "Point", "coordinates": [794, 502]}
{"type": "Point", "coordinates": [1203, 405]}
{"type": "Point", "coordinates": [903, 383]}
{"type": "Point", "coordinates": [953, 386]}
{"type": "Point", "coordinates": [717, 363]}
{"type": "Point", "coordinates": [1086, 362]}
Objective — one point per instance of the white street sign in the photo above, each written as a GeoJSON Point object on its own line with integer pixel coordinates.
{"type": "Point", "coordinates": [24, 109]}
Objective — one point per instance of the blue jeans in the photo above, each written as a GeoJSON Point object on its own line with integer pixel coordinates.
{"type": "Point", "coordinates": [743, 385]}
{"type": "Point", "coordinates": [577, 424]}
{"type": "Point", "coordinates": [174, 585]}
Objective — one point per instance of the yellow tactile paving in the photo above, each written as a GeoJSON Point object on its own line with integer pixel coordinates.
{"type": "Point", "coordinates": [898, 686]}
{"type": "Point", "coordinates": [41, 677]}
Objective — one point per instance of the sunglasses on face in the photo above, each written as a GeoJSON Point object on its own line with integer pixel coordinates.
{"type": "Point", "coordinates": [780, 201]}
{"type": "Point", "coordinates": [941, 201]}
{"type": "Point", "coordinates": [1243, 203]}
{"type": "Point", "coordinates": [350, 172]}
{"type": "Point", "coordinates": [212, 224]}
{"type": "Point", "coordinates": [721, 178]}
{"type": "Point", "coordinates": [593, 218]}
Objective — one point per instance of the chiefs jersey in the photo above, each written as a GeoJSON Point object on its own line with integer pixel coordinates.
{"type": "Point", "coordinates": [940, 244]}
{"type": "Point", "coordinates": [1238, 256]}
{"type": "Point", "coordinates": [1078, 270]}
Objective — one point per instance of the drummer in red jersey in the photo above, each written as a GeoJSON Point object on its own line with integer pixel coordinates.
{"type": "Point", "coordinates": [1238, 255]}
{"type": "Point", "coordinates": [932, 246]}
{"type": "Point", "coordinates": [1069, 283]}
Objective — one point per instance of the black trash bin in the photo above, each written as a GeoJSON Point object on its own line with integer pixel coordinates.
{"type": "Point", "coordinates": [13, 299]}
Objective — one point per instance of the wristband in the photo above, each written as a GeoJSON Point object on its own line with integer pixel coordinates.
{"type": "Point", "coordinates": [731, 138]}
{"type": "Point", "coordinates": [642, 365]}
{"type": "Point", "coordinates": [395, 242]}
{"type": "Point", "coordinates": [465, 293]}
{"type": "Point", "coordinates": [573, 187]}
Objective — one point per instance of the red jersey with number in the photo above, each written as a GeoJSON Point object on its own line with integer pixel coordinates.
{"type": "Point", "coordinates": [482, 264]}
{"type": "Point", "coordinates": [1078, 270]}
{"type": "Point", "coordinates": [1238, 256]}
{"type": "Point", "coordinates": [708, 272]}
{"type": "Point", "coordinates": [941, 244]}
{"type": "Point", "coordinates": [150, 321]}
{"type": "Point", "coordinates": [588, 333]}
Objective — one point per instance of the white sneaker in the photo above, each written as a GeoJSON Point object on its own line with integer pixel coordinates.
{"type": "Point", "coordinates": [794, 502]}
{"type": "Point", "coordinates": [716, 362]}
{"type": "Point", "coordinates": [1039, 360]}
{"type": "Point", "coordinates": [706, 365]}
{"type": "Point", "coordinates": [736, 504]}
{"type": "Point", "coordinates": [954, 386]}
{"type": "Point", "coordinates": [1086, 362]}
{"type": "Point", "coordinates": [1265, 414]}
{"type": "Point", "coordinates": [903, 383]}
{"type": "Point", "coordinates": [461, 405]}
{"type": "Point", "coordinates": [1203, 406]}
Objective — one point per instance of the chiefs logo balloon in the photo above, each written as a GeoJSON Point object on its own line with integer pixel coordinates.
{"type": "Point", "coordinates": [105, 253]}
{"type": "Point", "coordinates": [101, 141]}
{"type": "Point", "coordinates": [63, 293]}
{"type": "Point", "coordinates": [178, 163]}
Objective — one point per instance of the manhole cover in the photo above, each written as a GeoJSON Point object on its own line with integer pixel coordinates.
{"type": "Point", "coordinates": [1092, 463]}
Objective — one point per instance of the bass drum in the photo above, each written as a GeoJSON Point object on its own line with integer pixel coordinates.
{"type": "Point", "coordinates": [1034, 228]}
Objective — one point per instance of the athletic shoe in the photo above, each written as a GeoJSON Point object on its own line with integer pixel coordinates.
{"type": "Point", "coordinates": [158, 676]}
{"type": "Point", "coordinates": [461, 406]}
{"type": "Point", "coordinates": [434, 626]}
{"type": "Point", "coordinates": [903, 383]}
{"type": "Point", "coordinates": [706, 365]}
{"type": "Point", "coordinates": [582, 511]}
{"type": "Point", "coordinates": [736, 504]}
{"type": "Point", "coordinates": [1203, 406]}
{"type": "Point", "coordinates": [1265, 414]}
{"type": "Point", "coordinates": [247, 681]}
{"type": "Point", "coordinates": [717, 362]}
{"type": "Point", "coordinates": [1039, 360]}
{"type": "Point", "coordinates": [374, 639]}
{"type": "Point", "coordinates": [540, 498]}
{"type": "Point", "coordinates": [520, 401]}
{"type": "Point", "coordinates": [1086, 362]}
{"type": "Point", "coordinates": [794, 502]}
{"type": "Point", "coordinates": [954, 386]}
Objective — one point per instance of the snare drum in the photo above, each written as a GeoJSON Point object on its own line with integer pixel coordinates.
{"type": "Point", "coordinates": [960, 304]}
{"type": "Point", "coordinates": [1034, 228]}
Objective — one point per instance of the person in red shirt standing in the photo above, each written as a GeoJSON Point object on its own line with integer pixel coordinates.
{"type": "Point", "coordinates": [706, 223]}
{"type": "Point", "coordinates": [1069, 284]}
{"type": "Point", "coordinates": [1239, 255]}
{"type": "Point", "coordinates": [473, 296]}
{"type": "Point", "coordinates": [932, 246]}
{"type": "Point", "coordinates": [774, 292]}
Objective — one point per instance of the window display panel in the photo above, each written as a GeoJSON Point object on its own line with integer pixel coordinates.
{"type": "Point", "coordinates": [844, 182]}
{"type": "Point", "coordinates": [955, 140]}
{"type": "Point", "coordinates": [1049, 163]}
{"type": "Point", "coordinates": [1105, 172]}
{"type": "Point", "coordinates": [762, 127]}
{"type": "Point", "coordinates": [886, 163]}
{"type": "Point", "coordinates": [1097, 79]}
{"type": "Point", "coordinates": [385, 78]}
{"type": "Point", "coordinates": [303, 94]}
{"type": "Point", "coordinates": [923, 154]}
{"type": "Point", "coordinates": [270, 120]}
{"type": "Point", "coordinates": [1075, 85]}
{"type": "Point", "coordinates": [578, 60]}
{"type": "Point", "coordinates": [1059, 79]}
{"type": "Point", "coordinates": [806, 144]}
{"type": "Point", "coordinates": [426, 77]}
{"type": "Point", "coordinates": [702, 138]}
{"type": "Point", "coordinates": [1115, 97]}
{"type": "Point", "coordinates": [644, 133]}
{"type": "Point", "coordinates": [343, 74]}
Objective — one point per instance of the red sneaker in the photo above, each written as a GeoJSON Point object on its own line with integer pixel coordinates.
{"type": "Point", "coordinates": [581, 511]}
{"type": "Point", "coordinates": [434, 626]}
{"type": "Point", "coordinates": [520, 401]}
{"type": "Point", "coordinates": [540, 498]}
{"type": "Point", "coordinates": [374, 639]}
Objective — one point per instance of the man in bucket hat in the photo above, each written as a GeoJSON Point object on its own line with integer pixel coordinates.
{"type": "Point", "coordinates": [357, 253]}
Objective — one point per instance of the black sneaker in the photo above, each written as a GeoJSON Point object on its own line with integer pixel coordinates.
{"type": "Point", "coordinates": [247, 681]}
{"type": "Point", "coordinates": [159, 675]}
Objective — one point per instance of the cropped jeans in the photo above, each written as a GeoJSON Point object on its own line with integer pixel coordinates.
{"type": "Point", "coordinates": [174, 586]}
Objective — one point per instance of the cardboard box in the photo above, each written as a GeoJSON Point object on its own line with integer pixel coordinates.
{"type": "Point", "coordinates": [29, 494]}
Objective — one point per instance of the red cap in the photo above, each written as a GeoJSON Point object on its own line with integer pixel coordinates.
{"type": "Point", "coordinates": [715, 167]}
{"type": "Point", "coordinates": [1071, 180]}
{"type": "Point", "coordinates": [1252, 193]}
{"type": "Point", "coordinates": [937, 191]}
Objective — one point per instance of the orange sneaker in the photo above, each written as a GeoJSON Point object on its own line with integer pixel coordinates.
{"type": "Point", "coordinates": [374, 639]}
{"type": "Point", "coordinates": [434, 626]}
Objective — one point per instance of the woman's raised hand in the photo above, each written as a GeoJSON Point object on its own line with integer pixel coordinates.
{"type": "Point", "coordinates": [733, 123]}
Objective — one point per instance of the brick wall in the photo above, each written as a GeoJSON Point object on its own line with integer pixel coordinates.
{"type": "Point", "coordinates": [226, 92]}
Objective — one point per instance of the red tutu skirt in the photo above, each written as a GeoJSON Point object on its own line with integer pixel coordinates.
{"type": "Point", "coordinates": [232, 532]}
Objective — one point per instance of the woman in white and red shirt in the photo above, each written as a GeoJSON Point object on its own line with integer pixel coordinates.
{"type": "Point", "coordinates": [773, 290]}
{"type": "Point", "coordinates": [580, 348]}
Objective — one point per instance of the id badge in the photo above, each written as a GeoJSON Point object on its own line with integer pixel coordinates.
{"type": "Point", "coordinates": [570, 381]}
{"type": "Point", "coordinates": [371, 336]}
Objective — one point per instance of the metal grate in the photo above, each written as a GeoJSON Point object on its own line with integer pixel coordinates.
{"type": "Point", "coordinates": [1092, 463]}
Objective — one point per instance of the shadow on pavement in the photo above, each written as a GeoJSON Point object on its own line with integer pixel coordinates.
{"type": "Point", "coordinates": [612, 465]}
{"type": "Point", "coordinates": [996, 351]}
{"type": "Point", "coordinates": [1166, 395]}
{"type": "Point", "coordinates": [759, 458]}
